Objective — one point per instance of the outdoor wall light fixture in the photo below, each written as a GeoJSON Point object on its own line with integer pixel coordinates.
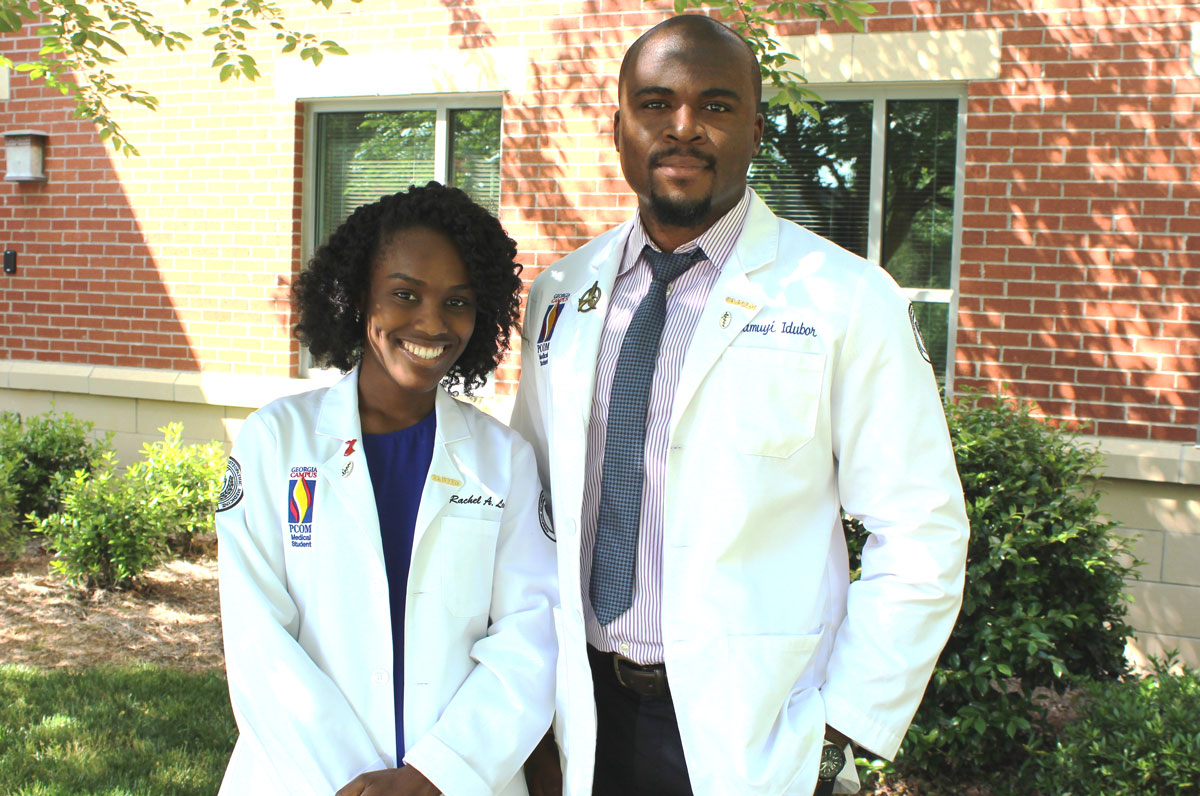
{"type": "Point", "coordinates": [24, 152]}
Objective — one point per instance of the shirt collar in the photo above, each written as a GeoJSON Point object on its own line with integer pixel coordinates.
{"type": "Point", "coordinates": [717, 241]}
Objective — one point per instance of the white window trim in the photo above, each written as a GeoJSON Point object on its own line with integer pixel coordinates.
{"type": "Point", "coordinates": [880, 93]}
{"type": "Point", "coordinates": [442, 104]}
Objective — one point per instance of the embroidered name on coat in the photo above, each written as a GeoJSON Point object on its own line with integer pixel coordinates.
{"type": "Point", "coordinates": [800, 329]}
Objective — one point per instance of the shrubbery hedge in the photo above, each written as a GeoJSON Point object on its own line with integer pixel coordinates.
{"type": "Point", "coordinates": [1043, 600]}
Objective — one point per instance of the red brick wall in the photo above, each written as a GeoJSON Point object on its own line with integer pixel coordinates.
{"type": "Point", "coordinates": [1080, 268]}
{"type": "Point", "coordinates": [86, 289]}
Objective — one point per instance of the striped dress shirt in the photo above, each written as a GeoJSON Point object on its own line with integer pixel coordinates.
{"type": "Point", "coordinates": [637, 633]}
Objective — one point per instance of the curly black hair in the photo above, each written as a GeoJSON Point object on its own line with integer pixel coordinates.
{"type": "Point", "coordinates": [328, 295]}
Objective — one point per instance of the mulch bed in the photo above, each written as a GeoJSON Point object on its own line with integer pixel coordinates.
{"type": "Point", "coordinates": [171, 618]}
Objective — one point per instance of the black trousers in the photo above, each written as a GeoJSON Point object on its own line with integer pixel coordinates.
{"type": "Point", "coordinates": [638, 751]}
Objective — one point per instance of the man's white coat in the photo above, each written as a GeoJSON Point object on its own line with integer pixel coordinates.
{"type": "Point", "coordinates": [804, 390]}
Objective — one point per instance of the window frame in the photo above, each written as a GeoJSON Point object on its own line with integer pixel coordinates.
{"type": "Point", "coordinates": [879, 94]}
{"type": "Point", "coordinates": [441, 104]}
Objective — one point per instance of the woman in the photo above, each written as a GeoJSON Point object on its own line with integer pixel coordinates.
{"type": "Point", "coordinates": [386, 587]}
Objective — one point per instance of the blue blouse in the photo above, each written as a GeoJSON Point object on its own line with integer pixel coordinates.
{"type": "Point", "coordinates": [398, 463]}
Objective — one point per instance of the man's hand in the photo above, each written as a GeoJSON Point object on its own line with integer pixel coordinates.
{"type": "Point", "coordinates": [404, 781]}
{"type": "Point", "coordinates": [543, 774]}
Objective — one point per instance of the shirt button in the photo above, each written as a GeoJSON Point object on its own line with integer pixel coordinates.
{"type": "Point", "coordinates": [379, 677]}
{"type": "Point", "coordinates": [624, 648]}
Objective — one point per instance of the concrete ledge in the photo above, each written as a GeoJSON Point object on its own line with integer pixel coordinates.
{"type": "Point", "coordinates": [1144, 460]}
{"type": "Point", "coordinates": [920, 57]}
{"type": "Point", "coordinates": [211, 389]}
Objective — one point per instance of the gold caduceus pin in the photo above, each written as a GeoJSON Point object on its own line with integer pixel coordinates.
{"type": "Point", "coordinates": [590, 298]}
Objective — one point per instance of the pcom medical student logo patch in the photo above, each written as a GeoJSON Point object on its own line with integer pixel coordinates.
{"type": "Point", "coordinates": [548, 323]}
{"type": "Point", "coordinates": [302, 496]}
{"type": "Point", "coordinates": [912, 318]}
{"type": "Point", "coordinates": [231, 486]}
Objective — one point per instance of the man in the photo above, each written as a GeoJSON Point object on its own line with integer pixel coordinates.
{"type": "Point", "coordinates": [763, 379]}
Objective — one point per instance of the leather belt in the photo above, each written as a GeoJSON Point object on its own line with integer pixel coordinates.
{"type": "Point", "coordinates": [643, 680]}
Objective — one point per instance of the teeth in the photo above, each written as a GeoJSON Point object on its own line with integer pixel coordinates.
{"type": "Point", "coordinates": [421, 351]}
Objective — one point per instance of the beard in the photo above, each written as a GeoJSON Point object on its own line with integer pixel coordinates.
{"type": "Point", "coordinates": [679, 212]}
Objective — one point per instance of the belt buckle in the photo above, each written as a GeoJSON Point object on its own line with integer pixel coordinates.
{"type": "Point", "coordinates": [616, 659]}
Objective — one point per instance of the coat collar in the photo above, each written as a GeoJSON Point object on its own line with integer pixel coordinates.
{"type": "Point", "coordinates": [734, 301]}
{"type": "Point", "coordinates": [338, 419]}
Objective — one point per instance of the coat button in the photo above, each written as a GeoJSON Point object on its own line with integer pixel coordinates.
{"type": "Point", "coordinates": [379, 677]}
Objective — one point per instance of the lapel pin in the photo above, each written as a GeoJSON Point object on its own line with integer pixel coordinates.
{"type": "Point", "coordinates": [590, 298]}
{"type": "Point", "coordinates": [725, 319]}
{"type": "Point", "coordinates": [347, 469]}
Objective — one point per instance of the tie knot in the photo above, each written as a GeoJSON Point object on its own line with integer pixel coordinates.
{"type": "Point", "coordinates": [667, 266]}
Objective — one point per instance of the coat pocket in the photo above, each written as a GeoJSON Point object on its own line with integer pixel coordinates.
{"type": "Point", "coordinates": [772, 398]}
{"type": "Point", "coordinates": [467, 556]}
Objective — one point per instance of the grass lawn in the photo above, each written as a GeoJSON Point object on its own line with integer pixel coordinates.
{"type": "Point", "coordinates": [113, 731]}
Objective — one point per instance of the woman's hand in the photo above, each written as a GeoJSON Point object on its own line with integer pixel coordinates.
{"type": "Point", "coordinates": [404, 781]}
{"type": "Point", "coordinates": [543, 774]}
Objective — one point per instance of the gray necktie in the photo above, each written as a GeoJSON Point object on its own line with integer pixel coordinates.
{"type": "Point", "coordinates": [621, 474]}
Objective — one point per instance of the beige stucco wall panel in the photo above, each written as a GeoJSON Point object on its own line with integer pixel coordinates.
{"type": "Point", "coordinates": [1147, 548]}
{"type": "Point", "coordinates": [128, 445]}
{"type": "Point", "coordinates": [1143, 646]}
{"type": "Point", "coordinates": [108, 413]}
{"type": "Point", "coordinates": [200, 422]}
{"type": "Point", "coordinates": [1181, 560]}
{"type": "Point", "coordinates": [26, 402]}
{"type": "Point", "coordinates": [1163, 507]}
{"type": "Point", "coordinates": [953, 55]}
{"type": "Point", "coordinates": [3, 83]}
{"type": "Point", "coordinates": [1165, 608]}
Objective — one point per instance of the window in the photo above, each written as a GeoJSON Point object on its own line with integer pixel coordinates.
{"type": "Point", "coordinates": [880, 175]}
{"type": "Point", "coordinates": [360, 151]}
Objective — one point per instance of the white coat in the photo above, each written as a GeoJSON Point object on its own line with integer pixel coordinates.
{"type": "Point", "coordinates": [804, 390]}
{"type": "Point", "coordinates": [306, 617]}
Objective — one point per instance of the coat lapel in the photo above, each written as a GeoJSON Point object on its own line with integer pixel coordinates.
{"type": "Point", "coordinates": [345, 468]}
{"type": "Point", "coordinates": [572, 361]}
{"type": "Point", "coordinates": [444, 478]}
{"type": "Point", "coordinates": [734, 301]}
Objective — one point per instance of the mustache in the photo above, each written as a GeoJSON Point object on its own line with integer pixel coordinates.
{"type": "Point", "coordinates": [658, 157]}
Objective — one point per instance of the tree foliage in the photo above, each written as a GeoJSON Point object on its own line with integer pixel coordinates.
{"type": "Point", "coordinates": [756, 22]}
{"type": "Point", "coordinates": [80, 47]}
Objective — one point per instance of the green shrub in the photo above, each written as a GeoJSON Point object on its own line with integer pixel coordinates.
{"type": "Point", "coordinates": [182, 482]}
{"type": "Point", "coordinates": [1043, 598]}
{"type": "Point", "coordinates": [1136, 737]}
{"type": "Point", "coordinates": [41, 447]}
{"type": "Point", "coordinates": [111, 527]}
{"type": "Point", "coordinates": [104, 534]}
{"type": "Point", "coordinates": [12, 531]}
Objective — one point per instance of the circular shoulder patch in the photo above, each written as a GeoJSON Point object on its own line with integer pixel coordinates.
{"type": "Point", "coordinates": [912, 317]}
{"type": "Point", "coordinates": [231, 487]}
{"type": "Point", "coordinates": [544, 517]}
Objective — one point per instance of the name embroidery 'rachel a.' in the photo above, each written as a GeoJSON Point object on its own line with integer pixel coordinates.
{"type": "Point", "coordinates": [478, 500]}
{"type": "Point", "coordinates": [302, 497]}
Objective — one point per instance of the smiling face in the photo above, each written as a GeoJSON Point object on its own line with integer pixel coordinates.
{"type": "Point", "coordinates": [688, 125]}
{"type": "Point", "coordinates": [419, 314]}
